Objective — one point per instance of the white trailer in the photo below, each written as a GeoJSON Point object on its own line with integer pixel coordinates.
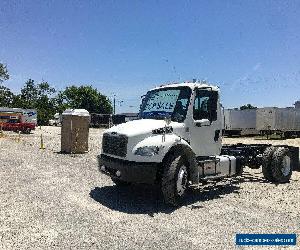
{"type": "Point", "coordinates": [56, 121]}
{"type": "Point", "coordinates": [240, 122]}
{"type": "Point", "coordinates": [28, 115]}
{"type": "Point", "coordinates": [285, 121]}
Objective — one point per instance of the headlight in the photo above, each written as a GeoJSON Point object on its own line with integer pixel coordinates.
{"type": "Point", "coordinates": [147, 151]}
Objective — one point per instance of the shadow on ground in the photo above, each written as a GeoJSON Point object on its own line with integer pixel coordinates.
{"type": "Point", "coordinates": [270, 139]}
{"type": "Point", "coordinates": [144, 199]}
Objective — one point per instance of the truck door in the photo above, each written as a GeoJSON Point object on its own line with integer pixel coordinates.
{"type": "Point", "coordinates": [205, 132]}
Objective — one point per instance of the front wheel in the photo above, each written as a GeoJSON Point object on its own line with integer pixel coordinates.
{"type": "Point", "coordinates": [174, 180]}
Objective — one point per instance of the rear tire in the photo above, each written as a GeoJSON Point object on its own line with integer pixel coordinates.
{"type": "Point", "coordinates": [282, 169]}
{"type": "Point", "coordinates": [287, 135]}
{"type": "Point", "coordinates": [174, 179]}
{"type": "Point", "coordinates": [267, 163]}
{"type": "Point", "coordinates": [26, 131]}
{"type": "Point", "coordinates": [120, 183]}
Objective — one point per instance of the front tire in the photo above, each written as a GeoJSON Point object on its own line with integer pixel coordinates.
{"type": "Point", "coordinates": [174, 179]}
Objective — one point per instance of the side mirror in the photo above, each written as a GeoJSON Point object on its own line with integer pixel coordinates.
{"type": "Point", "coordinates": [202, 122]}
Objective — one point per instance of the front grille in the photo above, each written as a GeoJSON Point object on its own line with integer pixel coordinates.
{"type": "Point", "coordinates": [114, 144]}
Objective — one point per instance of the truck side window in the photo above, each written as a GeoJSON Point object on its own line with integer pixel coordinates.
{"type": "Point", "coordinates": [205, 105]}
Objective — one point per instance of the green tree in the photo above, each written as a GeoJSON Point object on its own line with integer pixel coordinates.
{"type": "Point", "coordinates": [37, 96]}
{"type": "Point", "coordinates": [45, 104]}
{"type": "Point", "coordinates": [17, 102]}
{"type": "Point", "coordinates": [3, 73]}
{"type": "Point", "coordinates": [247, 106]}
{"type": "Point", "coordinates": [44, 89]}
{"type": "Point", "coordinates": [6, 97]}
{"type": "Point", "coordinates": [29, 95]}
{"type": "Point", "coordinates": [85, 97]}
{"type": "Point", "coordinates": [60, 102]}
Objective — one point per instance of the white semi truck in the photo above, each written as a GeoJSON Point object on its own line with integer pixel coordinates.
{"type": "Point", "coordinates": [177, 143]}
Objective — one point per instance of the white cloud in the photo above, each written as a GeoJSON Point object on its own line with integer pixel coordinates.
{"type": "Point", "coordinates": [256, 66]}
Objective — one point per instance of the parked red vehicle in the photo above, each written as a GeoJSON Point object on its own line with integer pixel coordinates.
{"type": "Point", "coordinates": [13, 121]}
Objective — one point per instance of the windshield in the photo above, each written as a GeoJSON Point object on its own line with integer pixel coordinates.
{"type": "Point", "coordinates": [166, 102]}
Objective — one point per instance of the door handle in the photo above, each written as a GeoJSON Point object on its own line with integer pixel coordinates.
{"type": "Point", "coordinates": [217, 135]}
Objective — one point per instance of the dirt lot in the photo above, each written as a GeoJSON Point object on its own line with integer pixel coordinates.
{"type": "Point", "coordinates": [52, 200]}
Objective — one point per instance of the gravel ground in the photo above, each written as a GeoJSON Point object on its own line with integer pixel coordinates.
{"type": "Point", "coordinates": [52, 200]}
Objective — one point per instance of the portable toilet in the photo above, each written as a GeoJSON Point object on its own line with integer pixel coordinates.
{"type": "Point", "coordinates": [75, 131]}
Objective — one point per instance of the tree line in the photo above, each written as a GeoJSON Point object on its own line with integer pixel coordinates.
{"type": "Point", "coordinates": [48, 101]}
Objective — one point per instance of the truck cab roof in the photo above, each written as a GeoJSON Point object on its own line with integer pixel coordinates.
{"type": "Point", "coordinates": [191, 85]}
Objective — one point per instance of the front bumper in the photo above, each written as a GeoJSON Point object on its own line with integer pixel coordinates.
{"type": "Point", "coordinates": [129, 171]}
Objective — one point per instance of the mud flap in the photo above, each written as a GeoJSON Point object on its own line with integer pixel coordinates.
{"type": "Point", "coordinates": [295, 158]}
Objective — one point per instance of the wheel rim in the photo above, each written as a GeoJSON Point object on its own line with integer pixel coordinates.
{"type": "Point", "coordinates": [181, 180]}
{"type": "Point", "coordinates": [286, 166]}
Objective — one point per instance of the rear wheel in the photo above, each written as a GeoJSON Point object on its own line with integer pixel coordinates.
{"type": "Point", "coordinates": [26, 131]}
{"type": "Point", "coordinates": [287, 135]}
{"type": "Point", "coordinates": [267, 163]}
{"type": "Point", "coordinates": [119, 182]}
{"type": "Point", "coordinates": [282, 168]}
{"type": "Point", "coordinates": [174, 179]}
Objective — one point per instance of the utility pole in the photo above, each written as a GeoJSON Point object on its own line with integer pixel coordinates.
{"type": "Point", "coordinates": [114, 104]}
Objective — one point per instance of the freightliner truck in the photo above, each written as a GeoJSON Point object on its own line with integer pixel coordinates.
{"type": "Point", "coordinates": [177, 143]}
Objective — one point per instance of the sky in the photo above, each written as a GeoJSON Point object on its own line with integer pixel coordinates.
{"type": "Point", "coordinates": [251, 49]}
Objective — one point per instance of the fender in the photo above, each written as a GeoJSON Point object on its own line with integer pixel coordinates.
{"type": "Point", "coordinates": [172, 144]}
{"type": "Point", "coordinates": [164, 143]}
{"type": "Point", "coordinates": [186, 151]}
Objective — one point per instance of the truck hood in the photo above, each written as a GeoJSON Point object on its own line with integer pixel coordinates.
{"type": "Point", "coordinates": [138, 127]}
{"type": "Point", "coordinates": [139, 130]}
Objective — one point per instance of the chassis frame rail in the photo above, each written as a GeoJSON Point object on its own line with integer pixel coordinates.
{"type": "Point", "coordinates": [251, 154]}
